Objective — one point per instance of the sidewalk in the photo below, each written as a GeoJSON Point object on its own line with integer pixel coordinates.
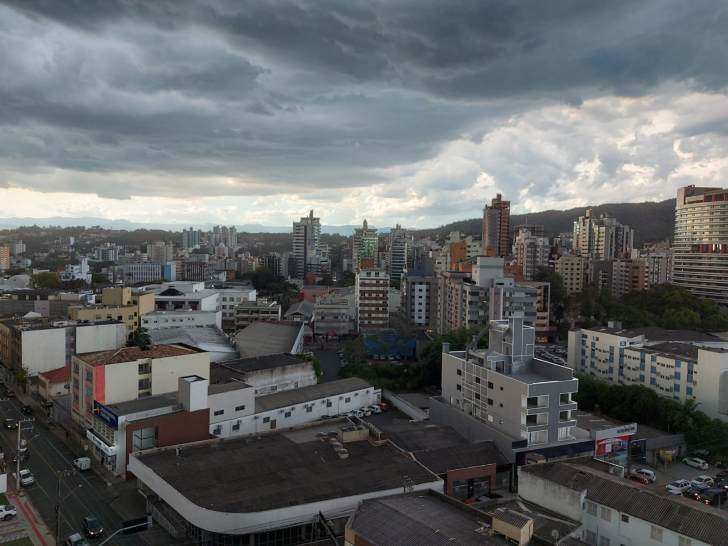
{"type": "Point", "coordinates": [26, 523]}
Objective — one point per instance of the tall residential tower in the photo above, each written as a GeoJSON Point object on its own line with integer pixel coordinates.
{"type": "Point", "coordinates": [496, 226]}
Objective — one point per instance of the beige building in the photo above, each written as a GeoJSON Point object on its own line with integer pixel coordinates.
{"type": "Point", "coordinates": [116, 304]}
{"type": "Point", "coordinates": [574, 270]}
{"type": "Point", "coordinates": [110, 377]}
{"type": "Point", "coordinates": [331, 314]}
{"type": "Point", "coordinates": [372, 297]}
{"type": "Point", "coordinates": [256, 311]}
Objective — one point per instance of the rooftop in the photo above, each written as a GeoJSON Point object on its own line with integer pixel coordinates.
{"type": "Point", "coordinates": [302, 395]}
{"type": "Point", "coordinates": [58, 375]}
{"type": "Point", "coordinates": [146, 403]}
{"type": "Point", "coordinates": [544, 521]}
{"type": "Point", "coordinates": [303, 307]}
{"type": "Point", "coordinates": [683, 516]}
{"type": "Point", "coordinates": [223, 371]}
{"type": "Point", "coordinates": [130, 354]}
{"type": "Point", "coordinates": [415, 520]}
{"type": "Point", "coordinates": [421, 435]}
{"type": "Point", "coordinates": [442, 460]}
{"type": "Point", "coordinates": [226, 387]}
{"type": "Point", "coordinates": [266, 338]}
{"type": "Point", "coordinates": [656, 334]}
{"type": "Point", "coordinates": [178, 312]}
{"type": "Point", "coordinates": [266, 472]}
{"type": "Point", "coordinates": [208, 338]}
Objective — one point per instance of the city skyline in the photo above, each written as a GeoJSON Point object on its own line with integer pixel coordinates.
{"type": "Point", "coordinates": [202, 113]}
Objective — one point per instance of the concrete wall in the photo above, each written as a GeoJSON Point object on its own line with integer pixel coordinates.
{"type": "Point", "coordinates": [100, 337]}
{"type": "Point", "coordinates": [451, 363]}
{"type": "Point", "coordinates": [405, 407]}
{"type": "Point", "coordinates": [44, 350]}
{"type": "Point", "coordinates": [557, 498]}
{"type": "Point", "coordinates": [121, 382]}
{"type": "Point", "coordinates": [226, 402]}
{"type": "Point", "coordinates": [167, 371]}
{"type": "Point", "coordinates": [287, 377]}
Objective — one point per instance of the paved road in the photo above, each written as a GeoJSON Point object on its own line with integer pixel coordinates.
{"type": "Point", "coordinates": [330, 363]}
{"type": "Point", "coordinates": [48, 455]}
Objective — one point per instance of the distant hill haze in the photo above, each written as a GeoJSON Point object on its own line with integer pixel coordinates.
{"type": "Point", "coordinates": [652, 222]}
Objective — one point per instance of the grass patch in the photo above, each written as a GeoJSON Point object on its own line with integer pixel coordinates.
{"type": "Point", "coordinates": [25, 541]}
{"type": "Point", "coordinates": [3, 499]}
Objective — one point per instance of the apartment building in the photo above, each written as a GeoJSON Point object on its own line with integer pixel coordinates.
{"type": "Point", "coordinates": [676, 364]}
{"type": "Point", "coordinates": [4, 257]}
{"type": "Point", "coordinates": [364, 245]}
{"type": "Point", "coordinates": [331, 316]}
{"type": "Point", "coordinates": [456, 250]}
{"type": "Point", "coordinates": [110, 377]}
{"type": "Point", "coordinates": [700, 256]}
{"type": "Point", "coordinates": [496, 226]}
{"type": "Point", "coordinates": [256, 311]}
{"type": "Point", "coordinates": [543, 306]}
{"type": "Point", "coordinates": [372, 298]}
{"type": "Point", "coordinates": [419, 289]}
{"type": "Point", "coordinates": [620, 276]}
{"type": "Point", "coordinates": [160, 252]}
{"type": "Point", "coordinates": [514, 393]}
{"type": "Point", "coordinates": [106, 253]}
{"type": "Point", "coordinates": [116, 304]}
{"type": "Point", "coordinates": [575, 272]}
{"type": "Point", "coordinates": [191, 239]}
{"type": "Point", "coordinates": [601, 238]}
{"type": "Point", "coordinates": [461, 302]}
{"type": "Point", "coordinates": [531, 252]}
{"type": "Point", "coordinates": [659, 265]}
{"type": "Point", "coordinates": [397, 252]}
{"type": "Point", "coordinates": [306, 244]}
{"type": "Point", "coordinates": [612, 511]}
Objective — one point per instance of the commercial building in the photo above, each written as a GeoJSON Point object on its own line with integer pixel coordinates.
{"type": "Point", "coordinates": [331, 316]}
{"type": "Point", "coordinates": [159, 320]}
{"type": "Point", "coordinates": [181, 295]}
{"type": "Point", "coordinates": [372, 293]}
{"type": "Point", "coordinates": [266, 374]}
{"type": "Point", "coordinates": [110, 377]}
{"type": "Point", "coordinates": [513, 393]}
{"type": "Point", "coordinates": [116, 304]}
{"type": "Point", "coordinates": [269, 488]}
{"type": "Point", "coordinates": [250, 312]}
{"type": "Point", "coordinates": [420, 288]}
{"type": "Point", "coordinates": [680, 365]}
{"type": "Point", "coordinates": [149, 272]}
{"type": "Point", "coordinates": [364, 246]}
{"type": "Point", "coordinates": [267, 338]}
{"type": "Point", "coordinates": [612, 511]}
{"type": "Point", "coordinates": [602, 238]}
{"type": "Point", "coordinates": [301, 311]}
{"type": "Point", "coordinates": [531, 252]}
{"type": "Point", "coordinates": [700, 256]}
{"type": "Point", "coordinates": [496, 226]}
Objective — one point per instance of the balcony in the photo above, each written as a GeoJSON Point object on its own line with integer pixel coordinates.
{"type": "Point", "coordinates": [535, 402]}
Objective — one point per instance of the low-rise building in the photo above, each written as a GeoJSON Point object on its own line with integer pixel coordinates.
{"type": "Point", "coordinates": [160, 320]}
{"type": "Point", "coordinates": [148, 272]}
{"type": "Point", "coordinates": [331, 316]}
{"type": "Point", "coordinates": [115, 304]}
{"type": "Point", "coordinates": [266, 374]}
{"type": "Point", "coordinates": [301, 311]}
{"type": "Point", "coordinates": [269, 338]}
{"type": "Point", "coordinates": [54, 383]}
{"type": "Point", "coordinates": [211, 339]}
{"type": "Point", "coordinates": [256, 311]}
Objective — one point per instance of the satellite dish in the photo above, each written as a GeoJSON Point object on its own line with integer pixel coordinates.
{"type": "Point", "coordinates": [555, 534]}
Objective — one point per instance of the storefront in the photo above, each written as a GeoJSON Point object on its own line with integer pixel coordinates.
{"type": "Point", "coordinates": [103, 452]}
{"type": "Point", "coordinates": [613, 444]}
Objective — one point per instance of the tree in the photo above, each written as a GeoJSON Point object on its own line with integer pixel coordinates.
{"type": "Point", "coordinates": [680, 319]}
{"type": "Point", "coordinates": [46, 281]}
{"type": "Point", "coordinates": [686, 415]}
{"type": "Point", "coordinates": [140, 338]}
{"type": "Point", "coordinates": [326, 281]}
{"type": "Point", "coordinates": [97, 278]}
{"type": "Point", "coordinates": [262, 277]}
{"type": "Point", "coordinates": [316, 364]}
{"type": "Point", "coordinates": [560, 299]}
{"type": "Point", "coordinates": [356, 351]}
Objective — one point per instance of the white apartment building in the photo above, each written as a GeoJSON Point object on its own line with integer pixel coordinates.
{"type": "Point", "coordinates": [372, 295]}
{"type": "Point", "coordinates": [331, 314]}
{"type": "Point", "coordinates": [614, 512]}
{"type": "Point", "coordinates": [161, 320]}
{"type": "Point", "coordinates": [148, 272]}
{"type": "Point", "coordinates": [531, 252]}
{"type": "Point", "coordinates": [397, 252]}
{"type": "Point", "coordinates": [184, 295]}
{"type": "Point", "coordinates": [602, 238]}
{"type": "Point", "coordinates": [160, 252]}
{"type": "Point", "coordinates": [680, 365]}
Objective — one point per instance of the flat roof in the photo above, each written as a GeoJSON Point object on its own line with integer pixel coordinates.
{"type": "Point", "coordinates": [226, 387]}
{"type": "Point", "coordinates": [178, 312]}
{"type": "Point", "coordinates": [145, 403]}
{"type": "Point", "coordinates": [442, 460]}
{"type": "Point", "coordinates": [130, 354]}
{"type": "Point", "coordinates": [655, 333]}
{"type": "Point", "coordinates": [266, 472]}
{"type": "Point", "coordinates": [421, 435]}
{"type": "Point", "coordinates": [266, 338]}
{"type": "Point", "coordinates": [221, 371]}
{"type": "Point", "coordinates": [302, 395]}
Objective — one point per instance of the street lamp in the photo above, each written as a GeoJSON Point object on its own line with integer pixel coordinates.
{"type": "Point", "coordinates": [17, 453]}
{"type": "Point", "coordinates": [60, 501]}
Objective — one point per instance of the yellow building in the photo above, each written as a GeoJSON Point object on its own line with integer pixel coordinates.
{"type": "Point", "coordinates": [116, 304]}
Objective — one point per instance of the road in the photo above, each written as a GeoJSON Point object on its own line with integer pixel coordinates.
{"type": "Point", "coordinates": [85, 493]}
{"type": "Point", "coordinates": [330, 363]}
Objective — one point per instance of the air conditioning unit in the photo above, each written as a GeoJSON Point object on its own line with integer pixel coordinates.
{"type": "Point", "coordinates": [218, 430]}
{"type": "Point", "coordinates": [280, 411]}
{"type": "Point", "coordinates": [255, 417]}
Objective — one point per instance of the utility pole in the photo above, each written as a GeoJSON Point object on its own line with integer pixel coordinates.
{"type": "Point", "coordinates": [17, 453]}
{"type": "Point", "coordinates": [60, 474]}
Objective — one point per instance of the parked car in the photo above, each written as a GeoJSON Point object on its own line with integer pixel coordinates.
{"type": "Point", "coordinates": [92, 526]}
{"type": "Point", "coordinates": [701, 452]}
{"type": "Point", "coordinates": [638, 479]}
{"type": "Point", "coordinates": [10, 423]}
{"type": "Point", "coordinates": [695, 463]}
{"type": "Point", "coordinates": [26, 477]}
{"type": "Point", "coordinates": [7, 511]}
{"type": "Point", "coordinates": [10, 393]}
{"type": "Point", "coordinates": [82, 463]}
{"type": "Point", "coordinates": [721, 482]}
{"type": "Point", "coordinates": [674, 491]}
{"type": "Point", "coordinates": [488, 496]}
{"type": "Point", "coordinates": [27, 409]}
{"type": "Point", "coordinates": [375, 357]}
{"type": "Point", "coordinates": [374, 409]}
{"type": "Point", "coordinates": [76, 539]}
{"type": "Point", "coordinates": [694, 491]}
{"type": "Point", "coordinates": [721, 474]}
{"type": "Point", "coordinates": [647, 473]}
{"type": "Point", "coordinates": [713, 496]}
{"type": "Point", "coordinates": [23, 455]}
{"type": "Point", "coordinates": [678, 485]}
{"type": "Point", "coordinates": [702, 480]}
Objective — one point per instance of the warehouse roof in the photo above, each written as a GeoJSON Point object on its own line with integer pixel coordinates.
{"type": "Point", "coordinates": [130, 354]}
{"type": "Point", "coordinates": [267, 338]}
{"type": "Point", "coordinates": [442, 460]}
{"type": "Point", "coordinates": [302, 395]}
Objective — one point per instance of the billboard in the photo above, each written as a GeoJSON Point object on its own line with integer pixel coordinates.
{"type": "Point", "coordinates": [612, 444]}
{"type": "Point", "coordinates": [106, 415]}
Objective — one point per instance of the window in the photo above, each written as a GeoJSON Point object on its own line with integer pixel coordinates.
{"type": "Point", "coordinates": [75, 382]}
{"type": "Point", "coordinates": [328, 404]}
{"type": "Point", "coordinates": [625, 518]}
{"type": "Point", "coordinates": [266, 419]}
{"type": "Point", "coordinates": [684, 542]}
{"type": "Point", "coordinates": [603, 541]}
{"type": "Point", "coordinates": [89, 392]}
{"type": "Point", "coordinates": [477, 380]}
{"type": "Point", "coordinates": [75, 397]}
{"type": "Point", "coordinates": [591, 508]}
{"type": "Point", "coordinates": [219, 412]}
{"type": "Point", "coordinates": [656, 533]}
{"type": "Point", "coordinates": [459, 372]}
{"type": "Point", "coordinates": [239, 408]}
{"type": "Point", "coordinates": [309, 409]}
{"type": "Point", "coordinates": [606, 514]}
{"type": "Point", "coordinates": [490, 401]}
{"type": "Point", "coordinates": [591, 537]}
{"type": "Point", "coordinates": [287, 414]}
{"type": "Point", "coordinates": [490, 384]}
{"type": "Point", "coordinates": [145, 384]}
{"type": "Point", "coordinates": [347, 400]}
{"type": "Point", "coordinates": [75, 367]}
{"type": "Point", "coordinates": [459, 387]}
{"type": "Point", "coordinates": [501, 388]}
{"type": "Point", "coordinates": [236, 426]}
{"type": "Point", "coordinates": [145, 438]}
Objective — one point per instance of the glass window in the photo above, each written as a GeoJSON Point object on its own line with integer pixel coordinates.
{"type": "Point", "coordinates": [606, 514]}
{"type": "Point", "coordinates": [219, 412]}
{"type": "Point", "coordinates": [145, 438]}
{"type": "Point", "coordinates": [266, 419]}
{"type": "Point", "coordinates": [591, 508]}
{"type": "Point", "coordinates": [239, 408]}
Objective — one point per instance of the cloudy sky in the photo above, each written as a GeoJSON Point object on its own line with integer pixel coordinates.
{"type": "Point", "coordinates": [397, 111]}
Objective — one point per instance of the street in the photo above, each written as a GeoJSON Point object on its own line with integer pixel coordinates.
{"type": "Point", "coordinates": [84, 493]}
{"type": "Point", "coordinates": [330, 363]}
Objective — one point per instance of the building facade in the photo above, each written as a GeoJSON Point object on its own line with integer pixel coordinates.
{"type": "Point", "coordinates": [419, 289]}
{"type": "Point", "coordinates": [575, 272]}
{"type": "Point", "coordinates": [372, 293]}
{"type": "Point", "coordinates": [601, 238]}
{"type": "Point", "coordinates": [496, 226]}
{"type": "Point", "coordinates": [331, 315]}
{"type": "Point", "coordinates": [364, 245]}
{"type": "Point", "coordinates": [531, 252]}
{"type": "Point", "coordinates": [306, 242]}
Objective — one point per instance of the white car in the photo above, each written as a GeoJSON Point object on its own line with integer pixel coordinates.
{"type": "Point", "coordinates": [7, 511]}
{"type": "Point", "coordinates": [76, 539]}
{"type": "Point", "coordinates": [678, 487]}
{"type": "Point", "coordinates": [703, 480]}
{"type": "Point", "coordinates": [26, 478]}
{"type": "Point", "coordinates": [374, 409]}
{"type": "Point", "coordinates": [695, 463]}
{"type": "Point", "coordinates": [647, 473]}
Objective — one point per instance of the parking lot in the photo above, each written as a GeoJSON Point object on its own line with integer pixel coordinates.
{"type": "Point", "coordinates": [553, 353]}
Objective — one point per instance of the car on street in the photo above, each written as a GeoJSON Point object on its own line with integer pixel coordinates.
{"type": "Point", "coordinates": [696, 463]}
{"type": "Point", "coordinates": [721, 475]}
{"type": "Point", "coordinates": [23, 455]}
{"type": "Point", "coordinates": [713, 496]}
{"type": "Point", "coordinates": [721, 483]}
{"type": "Point", "coordinates": [76, 539]}
{"type": "Point", "coordinates": [703, 480]}
{"type": "Point", "coordinates": [27, 409]}
{"type": "Point", "coordinates": [10, 423]}
{"type": "Point", "coordinates": [637, 478]}
{"type": "Point", "coordinates": [678, 485]}
{"type": "Point", "coordinates": [373, 409]}
{"type": "Point", "coordinates": [673, 491]}
{"type": "Point", "coordinates": [92, 526]}
{"type": "Point", "coordinates": [647, 473]}
{"type": "Point", "coordinates": [695, 491]}
{"type": "Point", "coordinates": [26, 477]}
{"type": "Point", "coordinates": [701, 452]}
{"type": "Point", "coordinates": [10, 393]}
{"type": "Point", "coordinates": [7, 511]}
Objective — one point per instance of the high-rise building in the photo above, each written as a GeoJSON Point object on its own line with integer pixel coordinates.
{"type": "Point", "coordinates": [160, 252]}
{"type": "Point", "coordinates": [365, 245]}
{"type": "Point", "coordinates": [537, 230]}
{"type": "Point", "coordinates": [602, 238]}
{"type": "Point", "coordinates": [397, 259]}
{"type": "Point", "coordinates": [371, 295]}
{"type": "Point", "coordinates": [4, 257]}
{"type": "Point", "coordinates": [191, 238]}
{"type": "Point", "coordinates": [496, 226]}
{"type": "Point", "coordinates": [700, 256]}
{"type": "Point", "coordinates": [419, 295]}
{"type": "Point", "coordinates": [574, 270]}
{"type": "Point", "coordinates": [306, 241]}
{"type": "Point", "coordinates": [106, 253]}
{"type": "Point", "coordinates": [531, 252]}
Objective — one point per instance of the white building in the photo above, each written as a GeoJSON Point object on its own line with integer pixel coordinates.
{"type": "Point", "coordinates": [185, 295]}
{"type": "Point", "coordinates": [158, 320]}
{"type": "Point", "coordinates": [531, 252]}
{"type": "Point", "coordinates": [677, 364]}
{"type": "Point", "coordinates": [80, 272]}
{"type": "Point", "coordinates": [148, 272]}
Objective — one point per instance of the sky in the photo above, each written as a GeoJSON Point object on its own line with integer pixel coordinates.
{"type": "Point", "coordinates": [395, 111]}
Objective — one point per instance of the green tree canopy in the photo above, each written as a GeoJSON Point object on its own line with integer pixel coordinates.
{"type": "Point", "coordinates": [46, 281]}
{"type": "Point", "coordinates": [140, 338]}
{"type": "Point", "coordinates": [262, 277]}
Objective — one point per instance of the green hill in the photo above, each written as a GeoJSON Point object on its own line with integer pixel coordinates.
{"type": "Point", "coordinates": [652, 222]}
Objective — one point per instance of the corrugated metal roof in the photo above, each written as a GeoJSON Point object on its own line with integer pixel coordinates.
{"type": "Point", "coordinates": [308, 394]}
{"type": "Point", "coordinates": [512, 517]}
{"type": "Point", "coordinates": [440, 461]}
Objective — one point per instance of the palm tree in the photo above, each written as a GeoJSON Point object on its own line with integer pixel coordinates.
{"type": "Point", "coordinates": [685, 416]}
